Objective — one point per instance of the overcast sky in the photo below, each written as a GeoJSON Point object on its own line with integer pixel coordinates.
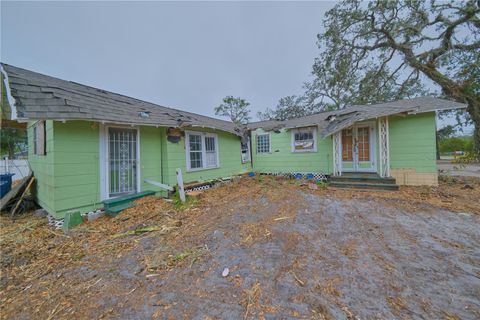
{"type": "Point", "coordinates": [186, 55]}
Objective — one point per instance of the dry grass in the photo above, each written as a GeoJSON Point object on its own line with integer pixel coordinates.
{"type": "Point", "coordinates": [33, 254]}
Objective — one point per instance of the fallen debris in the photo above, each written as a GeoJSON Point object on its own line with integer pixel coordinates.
{"type": "Point", "coordinates": [225, 272]}
{"type": "Point", "coordinates": [319, 254]}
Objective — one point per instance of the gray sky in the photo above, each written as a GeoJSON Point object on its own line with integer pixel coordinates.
{"type": "Point", "coordinates": [187, 55]}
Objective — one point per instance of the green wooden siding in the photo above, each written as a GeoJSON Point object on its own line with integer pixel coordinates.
{"type": "Point", "coordinates": [412, 142]}
{"type": "Point", "coordinates": [229, 159]}
{"type": "Point", "coordinates": [69, 175]}
{"type": "Point", "coordinates": [77, 170]}
{"type": "Point", "coordinates": [282, 159]}
{"type": "Point", "coordinates": [43, 168]}
{"type": "Point", "coordinates": [151, 157]}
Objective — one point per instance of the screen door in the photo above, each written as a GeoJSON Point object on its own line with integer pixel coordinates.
{"type": "Point", "coordinates": [122, 161]}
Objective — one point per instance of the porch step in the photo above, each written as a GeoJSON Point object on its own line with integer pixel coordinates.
{"type": "Point", "coordinates": [360, 185]}
{"type": "Point", "coordinates": [116, 205]}
{"type": "Point", "coordinates": [118, 209]}
{"type": "Point", "coordinates": [363, 177]}
{"type": "Point", "coordinates": [363, 181]}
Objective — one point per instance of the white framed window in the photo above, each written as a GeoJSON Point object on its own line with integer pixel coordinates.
{"type": "Point", "coordinates": [304, 140]}
{"type": "Point", "coordinates": [202, 150]}
{"type": "Point", "coordinates": [245, 148]}
{"type": "Point", "coordinates": [263, 143]}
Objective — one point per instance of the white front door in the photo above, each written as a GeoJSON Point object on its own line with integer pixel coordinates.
{"type": "Point", "coordinates": [358, 148]}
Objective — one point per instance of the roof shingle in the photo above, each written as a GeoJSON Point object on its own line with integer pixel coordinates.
{"type": "Point", "coordinates": [41, 97]}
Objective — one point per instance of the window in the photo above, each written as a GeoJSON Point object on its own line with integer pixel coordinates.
{"type": "Point", "coordinates": [245, 147]}
{"type": "Point", "coordinates": [263, 143]}
{"type": "Point", "coordinates": [304, 140]}
{"type": "Point", "coordinates": [347, 145]}
{"type": "Point", "coordinates": [363, 144]}
{"type": "Point", "coordinates": [202, 150]}
{"type": "Point", "coordinates": [39, 141]}
{"type": "Point", "coordinates": [210, 151]}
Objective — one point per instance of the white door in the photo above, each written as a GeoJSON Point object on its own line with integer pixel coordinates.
{"type": "Point", "coordinates": [122, 161]}
{"type": "Point", "coordinates": [358, 148]}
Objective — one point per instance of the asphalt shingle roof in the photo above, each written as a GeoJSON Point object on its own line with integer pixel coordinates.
{"type": "Point", "coordinates": [41, 97]}
{"type": "Point", "coordinates": [332, 121]}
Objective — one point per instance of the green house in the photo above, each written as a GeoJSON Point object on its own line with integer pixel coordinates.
{"type": "Point", "coordinates": [88, 145]}
{"type": "Point", "coordinates": [394, 139]}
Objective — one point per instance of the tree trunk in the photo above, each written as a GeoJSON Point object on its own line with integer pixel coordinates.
{"type": "Point", "coordinates": [474, 110]}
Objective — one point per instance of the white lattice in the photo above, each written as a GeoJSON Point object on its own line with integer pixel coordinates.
{"type": "Point", "coordinates": [199, 188]}
{"type": "Point", "coordinates": [55, 223]}
{"type": "Point", "coordinates": [383, 141]}
{"type": "Point", "coordinates": [337, 153]}
{"type": "Point", "coordinates": [300, 175]}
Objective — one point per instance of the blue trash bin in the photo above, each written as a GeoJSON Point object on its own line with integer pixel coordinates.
{"type": "Point", "coordinates": [5, 183]}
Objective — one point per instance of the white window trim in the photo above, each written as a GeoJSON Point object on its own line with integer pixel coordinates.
{"type": "Point", "coordinates": [293, 131]}
{"type": "Point", "coordinates": [204, 151]}
{"type": "Point", "coordinates": [269, 142]}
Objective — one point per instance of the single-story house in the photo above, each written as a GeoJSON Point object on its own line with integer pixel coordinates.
{"type": "Point", "coordinates": [393, 139]}
{"type": "Point", "coordinates": [88, 145]}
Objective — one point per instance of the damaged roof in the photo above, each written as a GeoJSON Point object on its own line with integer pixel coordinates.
{"type": "Point", "coordinates": [41, 97]}
{"type": "Point", "coordinates": [330, 122]}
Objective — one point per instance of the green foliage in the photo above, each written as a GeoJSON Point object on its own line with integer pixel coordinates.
{"type": "Point", "coordinates": [383, 50]}
{"type": "Point", "coordinates": [386, 50]}
{"type": "Point", "coordinates": [468, 157]}
{"type": "Point", "coordinates": [452, 144]}
{"type": "Point", "coordinates": [287, 108]}
{"type": "Point", "coordinates": [445, 132]}
{"type": "Point", "coordinates": [178, 204]}
{"type": "Point", "coordinates": [12, 140]}
{"type": "Point", "coordinates": [236, 109]}
{"type": "Point", "coordinates": [322, 184]}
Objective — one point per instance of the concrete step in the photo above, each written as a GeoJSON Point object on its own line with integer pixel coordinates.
{"type": "Point", "coordinates": [363, 185]}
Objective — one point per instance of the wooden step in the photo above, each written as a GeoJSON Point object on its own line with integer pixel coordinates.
{"type": "Point", "coordinates": [363, 185]}
{"type": "Point", "coordinates": [123, 202]}
{"type": "Point", "coordinates": [119, 208]}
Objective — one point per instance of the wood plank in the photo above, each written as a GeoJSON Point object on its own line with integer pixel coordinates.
{"type": "Point", "coordinates": [14, 192]}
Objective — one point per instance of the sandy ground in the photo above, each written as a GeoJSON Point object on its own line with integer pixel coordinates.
{"type": "Point", "coordinates": [455, 169]}
{"type": "Point", "coordinates": [292, 252]}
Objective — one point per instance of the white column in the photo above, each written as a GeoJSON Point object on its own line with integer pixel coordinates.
{"type": "Point", "coordinates": [383, 142]}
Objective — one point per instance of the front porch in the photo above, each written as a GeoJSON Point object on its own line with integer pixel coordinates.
{"type": "Point", "coordinates": [362, 148]}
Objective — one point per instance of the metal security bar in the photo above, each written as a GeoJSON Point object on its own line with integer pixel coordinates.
{"type": "Point", "coordinates": [122, 159]}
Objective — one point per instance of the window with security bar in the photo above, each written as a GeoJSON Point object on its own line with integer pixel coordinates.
{"type": "Point", "coordinates": [202, 150]}
{"type": "Point", "coordinates": [304, 140]}
{"type": "Point", "coordinates": [263, 143]}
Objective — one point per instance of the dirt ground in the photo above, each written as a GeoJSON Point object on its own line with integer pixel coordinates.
{"type": "Point", "coordinates": [292, 252]}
